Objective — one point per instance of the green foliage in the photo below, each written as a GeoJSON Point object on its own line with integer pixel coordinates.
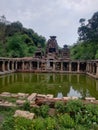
{"type": "Point", "coordinates": [8, 123]}
{"type": "Point", "coordinates": [17, 41]}
{"type": "Point", "coordinates": [84, 51]}
{"type": "Point", "coordinates": [50, 123]}
{"type": "Point", "coordinates": [41, 111]}
{"type": "Point", "coordinates": [44, 109]}
{"type": "Point", "coordinates": [26, 106]}
{"type": "Point", "coordinates": [87, 45]}
{"type": "Point", "coordinates": [66, 121]}
{"type": "Point", "coordinates": [74, 106]}
{"type": "Point", "coordinates": [60, 106]}
{"type": "Point", "coordinates": [85, 118]}
{"type": "Point", "coordinates": [38, 124]}
{"type": "Point", "coordinates": [22, 124]}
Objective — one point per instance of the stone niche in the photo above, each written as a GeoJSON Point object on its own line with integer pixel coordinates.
{"type": "Point", "coordinates": [65, 52]}
{"type": "Point", "coordinates": [39, 53]}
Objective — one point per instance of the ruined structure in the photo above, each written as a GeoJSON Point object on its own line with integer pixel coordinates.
{"type": "Point", "coordinates": [52, 60]}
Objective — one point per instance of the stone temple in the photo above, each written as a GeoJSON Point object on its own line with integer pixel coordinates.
{"type": "Point", "coordinates": [54, 59]}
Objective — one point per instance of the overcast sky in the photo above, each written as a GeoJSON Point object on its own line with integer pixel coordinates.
{"type": "Point", "coordinates": [50, 17]}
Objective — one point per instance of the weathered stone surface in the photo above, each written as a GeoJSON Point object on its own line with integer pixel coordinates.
{"type": "Point", "coordinates": [32, 97]}
{"type": "Point", "coordinates": [49, 96]}
{"type": "Point", "coordinates": [34, 105]}
{"type": "Point", "coordinates": [20, 102]}
{"type": "Point", "coordinates": [66, 98]}
{"type": "Point", "coordinates": [5, 94]}
{"type": "Point", "coordinates": [14, 95]}
{"type": "Point", "coordinates": [74, 98]}
{"type": "Point", "coordinates": [41, 96]}
{"type": "Point", "coordinates": [25, 114]}
{"type": "Point", "coordinates": [90, 99]}
{"type": "Point", "coordinates": [7, 104]}
{"type": "Point", "coordinates": [22, 95]}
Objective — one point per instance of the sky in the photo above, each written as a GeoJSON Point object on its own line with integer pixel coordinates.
{"type": "Point", "coordinates": [50, 17]}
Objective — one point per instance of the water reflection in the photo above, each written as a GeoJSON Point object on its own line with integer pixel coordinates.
{"type": "Point", "coordinates": [60, 95]}
{"type": "Point", "coordinates": [67, 84]}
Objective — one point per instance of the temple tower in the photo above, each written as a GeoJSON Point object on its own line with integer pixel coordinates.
{"type": "Point", "coordinates": [52, 47]}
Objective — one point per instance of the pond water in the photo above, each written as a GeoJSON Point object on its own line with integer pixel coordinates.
{"type": "Point", "coordinates": [57, 84]}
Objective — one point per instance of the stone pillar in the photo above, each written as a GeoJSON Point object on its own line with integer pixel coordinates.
{"type": "Point", "coordinates": [12, 65]}
{"type": "Point", "coordinates": [23, 65]}
{"type": "Point", "coordinates": [38, 65]}
{"type": "Point", "coordinates": [3, 66]}
{"type": "Point", "coordinates": [61, 66]}
{"type": "Point", "coordinates": [93, 68]}
{"type": "Point", "coordinates": [70, 68]}
{"type": "Point", "coordinates": [97, 70]}
{"type": "Point", "coordinates": [78, 67]}
{"type": "Point", "coordinates": [16, 65]}
{"type": "Point", "coordinates": [87, 67]}
{"type": "Point", "coordinates": [90, 67]}
{"type": "Point", "coordinates": [53, 66]}
{"type": "Point", "coordinates": [30, 67]}
{"type": "Point", "coordinates": [8, 66]}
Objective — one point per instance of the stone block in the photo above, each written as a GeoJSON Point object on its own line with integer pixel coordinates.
{"type": "Point", "coordinates": [66, 98]}
{"type": "Point", "coordinates": [14, 95]}
{"type": "Point", "coordinates": [22, 95]}
{"type": "Point", "coordinates": [73, 98]}
{"type": "Point", "coordinates": [20, 102]}
{"type": "Point", "coordinates": [90, 99]}
{"type": "Point", "coordinates": [41, 96]}
{"type": "Point", "coordinates": [49, 96]}
{"type": "Point", "coordinates": [7, 104]}
{"type": "Point", "coordinates": [32, 97]}
{"type": "Point", "coordinates": [25, 114]}
{"type": "Point", "coordinates": [5, 94]}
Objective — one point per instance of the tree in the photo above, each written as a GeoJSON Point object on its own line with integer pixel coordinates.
{"type": "Point", "coordinates": [89, 32]}
{"type": "Point", "coordinates": [82, 20]}
{"type": "Point", "coordinates": [87, 45]}
{"type": "Point", "coordinates": [16, 46]}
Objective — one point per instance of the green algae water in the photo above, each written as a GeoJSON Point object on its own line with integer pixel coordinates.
{"type": "Point", "coordinates": [56, 84]}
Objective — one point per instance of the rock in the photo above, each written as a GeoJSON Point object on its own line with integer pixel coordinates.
{"type": "Point", "coordinates": [49, 96]}
{"type": "Point", "coordinates": [20, 102]}
{"type": "Point", "coordinates": [32, 97]}
{"type": "Point", "coordinates": [7, 104]}
{"type": "Point", "coordinates": [90, 99]}
{"type": "Point", "coordinates": [14, 95]}
{"type": "Point", "coordinates": [41, 96]}
{"type": "Point", "coordinates": [5, 94]}
{"type": "Point", "coordinates": [22, 95]}
{"type": "Point", "coordinates": [73, 98]}
{"type": "Point", "coordinates": [34, 106]}
{"type": "Point", "coordinates": [66, 98]}
{"type": "Point", "coordinates": [25, 114]}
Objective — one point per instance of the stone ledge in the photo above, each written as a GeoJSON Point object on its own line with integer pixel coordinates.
{"type": "Point", "coordinates": [25, 114]}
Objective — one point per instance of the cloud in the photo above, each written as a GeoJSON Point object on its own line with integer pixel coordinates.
{"type": "Point", "coordinates": [50, 17]}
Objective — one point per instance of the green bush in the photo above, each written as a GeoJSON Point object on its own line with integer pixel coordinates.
{"type": "Point", "coordinates": [26, 106]}
{"type": "Point", "coordinates": [50, 123]}
{"type": "Point", "coordinates": [41, 111]}
{"type": "Point", "coordinates": [22, 124]}
{"type": "Point", "coordinates": [60, 107]}
{"type": "Point", "coordinates": [38, 124]}
{"type": "Point", "coordinates": [74, 106]}
{"type": "Point", "coordinates": [66, 121]}
{"type": "Point", "coordinates": [8, 123]}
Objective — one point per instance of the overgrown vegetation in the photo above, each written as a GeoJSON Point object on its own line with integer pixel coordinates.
{"type": "Point", "coordinates": [17, 41]}
{"type": "Point", "coordinates": [87, 44]}
{"type": "Point", "coordinates": [74, 116]}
